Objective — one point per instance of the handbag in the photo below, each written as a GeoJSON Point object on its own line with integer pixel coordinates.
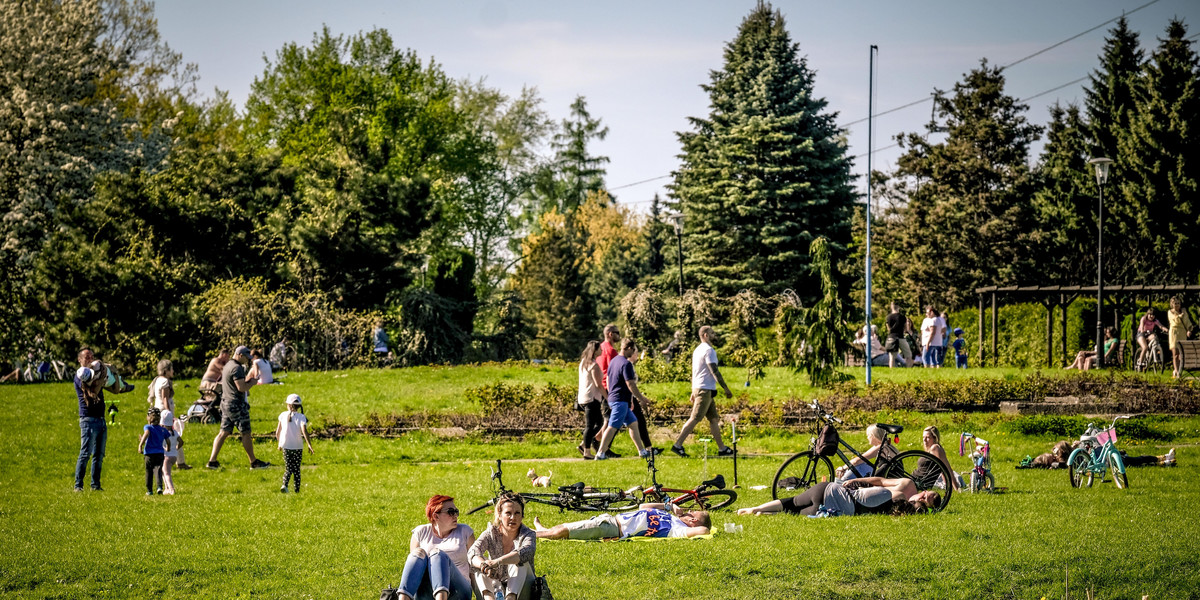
{"type": "Point", "coordinates": [389, 593]}
{"type": "Point", "coordinates": [541, 589]}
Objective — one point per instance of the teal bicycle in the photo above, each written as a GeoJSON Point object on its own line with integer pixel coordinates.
{"type": "Point", "coordinates": [1096, 455]}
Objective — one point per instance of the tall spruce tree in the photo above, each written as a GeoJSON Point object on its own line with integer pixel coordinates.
{"type": "Point", "coordinates": [1065, 204]}
{"type": "Point", "coordinates": [967, 221]}
{"type": "Point", "coordinates": [1158, 216]}
{"type": "Point", "coordinates": [765, 173]}
{"type": "Point", "coordinates": [1110, 99]}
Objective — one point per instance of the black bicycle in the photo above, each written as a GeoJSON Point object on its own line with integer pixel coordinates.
{"type": "Point", "coordinates": [709, 495]}
{"type": "Point", "coordinates": [802, 470]}
{"type": "Point", "coordinates": [577, 497]}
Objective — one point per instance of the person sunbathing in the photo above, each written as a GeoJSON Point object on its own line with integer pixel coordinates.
{"type": "Point", "coordinates": [649, 520]}
{"type": "Point", "coordinates": [864, 495]}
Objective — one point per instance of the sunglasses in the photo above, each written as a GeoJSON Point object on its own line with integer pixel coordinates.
{"type": "Point", "coordinates": [450, 511]}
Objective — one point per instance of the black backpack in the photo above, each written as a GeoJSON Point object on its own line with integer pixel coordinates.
{"type": "Point", "coordinates": [827, 441]}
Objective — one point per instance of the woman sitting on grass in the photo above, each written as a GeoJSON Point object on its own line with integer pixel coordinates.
{"type": "Point", "coordinates": [862, 468]}
{"type": "Point", "coordinates": [860, 496]}
{"type": "Point", "coordinates": [932, 441]}
{"type": "Point", "coordinates": [509, 546]}
{"type": "Point", "coordinates": [437, 564]}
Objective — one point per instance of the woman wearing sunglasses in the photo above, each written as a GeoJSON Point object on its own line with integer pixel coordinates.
{"type": "Point", "coordinates": [437, 567]}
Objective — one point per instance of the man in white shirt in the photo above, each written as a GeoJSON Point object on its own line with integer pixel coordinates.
{"type": "Point", "coordinates": [705, 377]}
{"type": "Point", "coordinates": [931, 337]}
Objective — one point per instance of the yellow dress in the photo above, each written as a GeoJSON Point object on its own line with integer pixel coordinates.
{"type": "Point", "coordinates": [1178, 326]}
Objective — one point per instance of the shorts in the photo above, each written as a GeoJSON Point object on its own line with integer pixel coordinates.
{"type": "Point", "coordinates": [235, 414]}
{"type": "Point", "coordinates": [595, 528]}
{"type": "Point", "coordinates": [621, 415]}
{"type": "Point", "coordinates": [898, 344]}
{"type": "Point", "coordinates": [703, 404]}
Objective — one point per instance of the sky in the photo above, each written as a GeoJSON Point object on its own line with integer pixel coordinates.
{"type": "Point", "coordinates": [640, 64]}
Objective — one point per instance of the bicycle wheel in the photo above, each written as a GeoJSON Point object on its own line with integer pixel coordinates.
{"type": "Point", "coordinates": [924, 469]}
{"type": "Point", "coordinates": [1079, 466]}
{"type": "Point", "coordinates": [989, 483]}
{"type": "Point", "coordinates": [614, 504]}
{"type": "Point", "coordinates": [707, 500]}
{"type": "Point", "coordinates": [1118, 470]}
{"type": "Point", "coordinates": [1156, 359]}
{"type": "Point", "coordinates": [799, 473]}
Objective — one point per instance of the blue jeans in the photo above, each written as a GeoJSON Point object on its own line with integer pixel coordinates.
{"type": "Point", "coordinates": [443, 575]}
{"type": "Point", "coordinates": [93, 435]}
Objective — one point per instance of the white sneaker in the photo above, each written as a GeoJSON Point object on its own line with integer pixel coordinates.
{"type": "Point", "coordinates": [1169, 459]}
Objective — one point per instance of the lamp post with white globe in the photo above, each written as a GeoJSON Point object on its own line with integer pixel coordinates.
{"type": "Point", "coordinates": [1101, 164]}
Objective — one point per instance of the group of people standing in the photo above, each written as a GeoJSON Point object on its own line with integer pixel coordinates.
{"type": "Point", "coordinates": [161, 443]}
{"type": "Point", "coordinates": [926, 346]}
{"type": "Point", "coordinates": [610, 398]}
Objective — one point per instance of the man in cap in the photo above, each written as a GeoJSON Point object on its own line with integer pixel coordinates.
{"type": "Point", "coordinates": [235, 408]}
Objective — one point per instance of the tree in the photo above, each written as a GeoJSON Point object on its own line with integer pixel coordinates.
{"type": "Point", "coordinates": [1065, 202]}
{"type": "Point", "coordinates": [1158, 217]}
{"type": "Point", "coordinates": [658, 239]}
{"type": "Point", "coordinates": [551, 281]}
{"type": "Point", "coordinates": [1111, 97]}
{"type": "Point", "coordinates": [766, 172]}
{"type": "Point", "coordinates": [613, 253]}
{"type": "Point", "coordinates": [966, 221]}
{"type": "Point", "coordinates": [564, 183]}
{"type": "Point", "coordinates": [374, 129]}
{"type": "Point", "coordinates": [825, 339]}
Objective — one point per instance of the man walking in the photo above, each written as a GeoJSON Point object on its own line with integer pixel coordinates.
{"type": "Point", "coordinates": [93, 432]}
{"type": "Point", "coordinates": [896, 325]}
{"type": "Point", "coordinates": [235, 408]}
{"type": "Point", "coordinates": [705, 377]}
{"type": "Point", "coordinates": [622, 389]}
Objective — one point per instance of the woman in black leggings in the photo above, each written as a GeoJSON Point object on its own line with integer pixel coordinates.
{"type": "Point", "coordinates": [851, 499]}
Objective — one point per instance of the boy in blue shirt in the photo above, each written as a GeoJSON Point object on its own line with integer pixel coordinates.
{"type": "Point", "coordinates": [960, 349]}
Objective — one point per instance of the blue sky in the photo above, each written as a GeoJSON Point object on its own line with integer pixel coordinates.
{"type": "Point", "coordinates": [640, 64]}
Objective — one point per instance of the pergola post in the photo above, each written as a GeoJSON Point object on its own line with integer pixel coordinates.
{"type": "Point", "coordinates": [994, 325]}
{"type": "Point", "coordinates": [1063, 327]}
{"type": "Point", "coordinates": [1049, 333]}
{"type": "Point", "coordinates": [980, 359]}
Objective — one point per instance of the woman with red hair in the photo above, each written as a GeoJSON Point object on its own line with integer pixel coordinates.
{"type": "Point", "coordinates": [437, 567]}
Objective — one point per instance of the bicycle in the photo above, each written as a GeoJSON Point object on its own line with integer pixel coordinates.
{"type": "Point", "coordinates": [1151, 359]}
{"type": "Point", "coordinates": [981, 478]}
{"type": "Point", "coordinates": [1096, 454]}
{"type": "Point", "coordinates": [576, 497]}
{"type": "Point", "coordinates": [709, 495]}
{"type": "Point", "coordinates": [803, 469]}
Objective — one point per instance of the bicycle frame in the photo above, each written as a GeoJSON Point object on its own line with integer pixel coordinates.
{"type": "Point", "coordinates": [659, 493]}
{"type": "Point", "coordinates": [1099, 448]}
{"type": "Point", "coordinates": [830, 419]}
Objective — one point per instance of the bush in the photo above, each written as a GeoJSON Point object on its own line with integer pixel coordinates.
{"type": "Point", "coordinates": [1071, 427]}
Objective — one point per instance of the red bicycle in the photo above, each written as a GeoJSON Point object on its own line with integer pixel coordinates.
{"type": "Point", "coordinates": [709, 495]}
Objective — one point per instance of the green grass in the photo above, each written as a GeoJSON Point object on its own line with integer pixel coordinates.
{"type": "Point", "coordinates": [230, 533]}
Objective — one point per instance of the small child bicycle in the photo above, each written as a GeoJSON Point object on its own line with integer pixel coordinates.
{"type": "Point", "coordinates": [980, 475]}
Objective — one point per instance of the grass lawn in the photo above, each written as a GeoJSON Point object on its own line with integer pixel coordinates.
{"type": "Point", "coordinates": [231, 534]}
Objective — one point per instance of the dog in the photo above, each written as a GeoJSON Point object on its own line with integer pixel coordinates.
{"type": "Point", "coordinates": [539, 481]}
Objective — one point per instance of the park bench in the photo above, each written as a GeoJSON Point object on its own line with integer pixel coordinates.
{"type": "Point", "coordinates": [1123, 359]}
{"type": "Point", "coordinates": [1190, 350]}
{"type": "Point", "coordinates": [854, 358]}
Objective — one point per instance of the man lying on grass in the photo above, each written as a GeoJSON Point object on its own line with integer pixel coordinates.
{"type": "Point", "coordinates": [649, 520]}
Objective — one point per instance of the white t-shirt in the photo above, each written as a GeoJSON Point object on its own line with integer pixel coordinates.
{"type": "Point", "coordinates": [158, 389]}
{"type": "Point", "coordinates": [264, 371]}
{"type": "Point", "coordinates": [289, 430]}
{"type": "Point", "coordinates": [702, 375]}
{"type": "Point", "coordinates": [171, 445]}
{"type": "Point", "coordinates": [454, 546]}
{"type": "Point", "coordinates": [931, 331]}
{"type": "Point", "coordinates": [588, 390]}
{"type": "Point", "coordinates": [650, 522]}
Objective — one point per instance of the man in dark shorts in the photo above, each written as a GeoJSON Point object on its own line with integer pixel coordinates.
{"type": "Point", "coordinates": [235, 408]}
{"type": "Point", "coordinates": [896, 324]}
{"type": "Point", "coordinates": [622, 389]}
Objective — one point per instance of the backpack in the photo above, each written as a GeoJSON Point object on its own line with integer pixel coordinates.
{"type": "Point", "coordinates": [827, 441]}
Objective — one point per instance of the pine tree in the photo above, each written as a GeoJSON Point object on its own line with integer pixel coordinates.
{"type": "Point", "coordinates": [1158, 217]}
{"type": "Point", "coordinates": [579, 170]}
{"type": "Point", "coordinates": [967, 221]}
{"type": "Point", "coordinates": [1111, 97]}
{"type": "Point", "coordinates": [765, 172]}
{"type": "Point", "coordinates": [1066, 202]}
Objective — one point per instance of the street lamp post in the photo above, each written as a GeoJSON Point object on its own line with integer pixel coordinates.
{"type": "Point", "coordinates": [677, 221]}
{"type": "Point", "coordinates": [1101, 164]}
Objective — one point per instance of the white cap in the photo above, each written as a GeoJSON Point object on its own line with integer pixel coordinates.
{"type": "Point", "coordinates": [167, 419]}
{"type": "Point", "coordinates": [293, 399]}
{"type": "Point", "coordinates": [85, 374]}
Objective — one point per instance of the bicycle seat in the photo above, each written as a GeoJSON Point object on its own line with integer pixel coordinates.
{"type": "Point", "coordinates": [891, 429]}
{"type": "Point", "coordinates": [717, 482]}
{"type": "Point", "coordinates": [576, 487]}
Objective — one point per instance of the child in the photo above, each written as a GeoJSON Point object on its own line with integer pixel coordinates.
{"type": "Point", "coordinates": [172, 451]}
{"type": "Point", "coordinates": [151, 446]}
{"type": "Point", "coordinates": [291, 431]}
{"type": "Point", "coordinates": [101, 375]}
{"type": "Point", "coordinates": [960, 349]}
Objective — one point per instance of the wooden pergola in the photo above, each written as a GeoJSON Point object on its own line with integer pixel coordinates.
{"type": "Point", "coordinates": [1062, 296]}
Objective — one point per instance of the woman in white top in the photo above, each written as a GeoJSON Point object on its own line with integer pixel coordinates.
{"type": "Point", "coordinates": [591, 398]}
{"type": "Point", "coordinates": [162, 396]}
{"type": "Point", "coordinates": [260, 369]}
{"type": "Point", "coordinates": [437, 565]}
{"type": "Point", "coordinates": [862, 468]}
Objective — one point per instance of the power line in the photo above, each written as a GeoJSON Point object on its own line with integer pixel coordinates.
{"type": "Point", "coordinates": [638, 182]}
{"type": "Point", "coordinates": [1015, 62]}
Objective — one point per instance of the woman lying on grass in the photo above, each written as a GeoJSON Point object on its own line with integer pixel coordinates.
{"type": "Point", "coordinates": [861, 496]}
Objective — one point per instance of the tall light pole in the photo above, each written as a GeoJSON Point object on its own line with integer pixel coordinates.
{"type": "Point", "coordinates": [1101, 164]}
{"type": "Point", "coordinates": [677, 221]}
{"type": "Point", "coordinates": [870, 109]}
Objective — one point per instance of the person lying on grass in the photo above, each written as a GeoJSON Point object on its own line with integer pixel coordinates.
{"type": "Point", "coordinates": [860, 496]}
{"type": "Point", "coordinates": [649, 520]}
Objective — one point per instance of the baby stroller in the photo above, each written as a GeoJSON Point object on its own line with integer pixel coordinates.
{"type": "Point", "coordinates": [207, 408]}
{"type": "Point", "coordinates": [981, 479]}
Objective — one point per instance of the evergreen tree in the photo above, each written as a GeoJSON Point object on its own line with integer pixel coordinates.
{"type": "Point", "coordinates": [551, 281]}
{"type": "Point", "coordinates": [657, 238]}
{"type": "Point", "coordinates": [579, 171]}
{"type": "Point", "coordinates": [967, 221]}
{"type": "Point", "coordinates": [1066, 202]}
{"type": "Point", "coordinates": [1111, 96]}
{"type": "Point", "coordinates": [1158, 216]}
{"type": "Point", "coordinates": [766, 172]}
